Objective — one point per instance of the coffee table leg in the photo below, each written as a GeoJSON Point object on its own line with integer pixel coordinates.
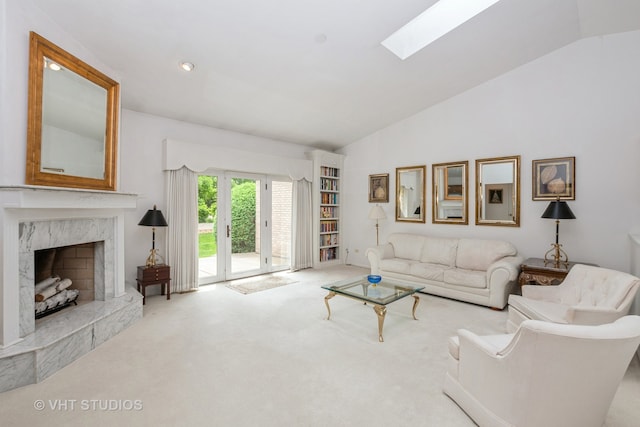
{"type": "Point", "coordinates": [326, 302]}
{"type": "Point", "coordinates": [415, 304]}
{"type": "Point", "coordinates": [381, 311]}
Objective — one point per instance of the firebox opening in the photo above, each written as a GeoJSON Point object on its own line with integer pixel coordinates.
{"type": "Point", "coordinates": [62, 276]}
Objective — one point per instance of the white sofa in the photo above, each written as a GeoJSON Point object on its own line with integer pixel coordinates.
{"type": "Point", "coordinates": [472, 270]}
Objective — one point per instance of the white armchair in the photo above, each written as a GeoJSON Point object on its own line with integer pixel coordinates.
{"type": "Point", "coordinates": [546, 374]}
{"type": "Point", "coordinates": [587, 296]}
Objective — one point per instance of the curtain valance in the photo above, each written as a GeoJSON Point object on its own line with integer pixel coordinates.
{"type": "Point", "coordinates": [199, 157]}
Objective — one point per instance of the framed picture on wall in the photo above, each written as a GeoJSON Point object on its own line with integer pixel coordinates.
{"type": "Point", "coordinates": [553, 178]}
{"type": "Point", "coordinates": [379, 188]}
{"type": "Point", "coordinates": [495, 196]}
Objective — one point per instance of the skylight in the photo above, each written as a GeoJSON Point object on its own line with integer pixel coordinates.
{"type": "Point", "coordinates": [433, 23]}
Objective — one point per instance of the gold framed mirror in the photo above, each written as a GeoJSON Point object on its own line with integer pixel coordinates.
{"type": "Point", "coordinates": [410, 193]}
{"type": "Point", "coordinates": [449, 197]}
{"type": "Point", "coordinates": [498, 191]}
{"type": "Point", "coordinates": [72, 121]}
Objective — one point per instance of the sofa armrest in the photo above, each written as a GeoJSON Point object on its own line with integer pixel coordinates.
{"type": "Point", "coordinates": [510, 264]}
{"type": "Point", "coordinates": [378, 253]}
{"type": "Point", "coordinates": [501, 277]}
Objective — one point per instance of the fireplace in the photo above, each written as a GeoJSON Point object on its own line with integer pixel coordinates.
{"type": "Point", "coordinates": [37, 236]}
{"type": "Point", "coordinates": [33, 219]}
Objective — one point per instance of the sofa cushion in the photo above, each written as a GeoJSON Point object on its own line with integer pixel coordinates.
{"type": "Point", "coordinates": [439, 251]}
{"type": "Point", "coordinates": [396, 265]}
{"type": "Point", "coordinates": [407, 246]}
{"type": "Point", "coordinates": [428, 271]}
{"type": "Point", "coordinates": [477, 254]}
{"type": "Point", "coordinates": [469, 278]}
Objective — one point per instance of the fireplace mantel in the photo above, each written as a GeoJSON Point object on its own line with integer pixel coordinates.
{"type": "Point", "coordinates": [36, 197]}
{"type": "Point", "coordinates": [33, 218]}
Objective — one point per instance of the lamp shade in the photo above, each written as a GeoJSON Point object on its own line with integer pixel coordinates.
{"type": "Point", "coordinates": [153, 218]}
{"type": "Point", "coordinates": [558, 210]}
{"type": "Point", "coordinates": [377, 213]}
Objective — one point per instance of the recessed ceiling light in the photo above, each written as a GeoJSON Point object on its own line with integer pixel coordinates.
{"type": "Point", "coordinates": [187, 66]}
{"type": "Point", "coordinates": [52, 65]}
{"type": "Point", "coordinates": [432, 24]}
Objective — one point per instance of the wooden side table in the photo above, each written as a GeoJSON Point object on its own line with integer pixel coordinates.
{"type": "Point", "coordinates": [155, 275]}
{"type": "Point", "coordinates": [536, 272]}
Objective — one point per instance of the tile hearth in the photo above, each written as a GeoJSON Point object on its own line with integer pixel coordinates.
{"type": "Point", "coordinates": [65, 336]}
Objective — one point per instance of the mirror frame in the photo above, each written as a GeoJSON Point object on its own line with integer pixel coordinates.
{"type": "Point", "coordinates": [515, 198]}
{"type": "Point", "coordinates": [423, 171]}
{"type": "Point", "coordinates": [464, 197]}
{"type": "Point", "coordinates": [39, 48]}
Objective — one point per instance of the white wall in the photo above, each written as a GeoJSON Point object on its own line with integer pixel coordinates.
{"type": "Point", "coordinates": [141, 163]}
{"type": "Point", "coordinates": [141, 136]}
{"type": "Point", "coordinates": [582, 100]}
{"type": "Point", "coordinates": [17, 18]}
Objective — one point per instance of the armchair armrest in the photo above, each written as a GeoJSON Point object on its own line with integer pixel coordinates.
{"type": "Point", "coordinates": [592, 315]}
{"type": "Point", "coordinates": [470, 340]}
{"type": "Point", "coordinates": [484, 369]}
{"type": "Point", "coordinates": [550, 293]}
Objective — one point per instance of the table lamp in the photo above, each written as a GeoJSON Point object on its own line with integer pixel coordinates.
{"type": "Point", "coordinates": [557, 210]}
{"type": "Point", "coordinates": [153, 218]}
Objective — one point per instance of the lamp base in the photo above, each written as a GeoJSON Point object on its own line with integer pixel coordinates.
{"type": "Point", "coordinates": [556, 256]}
{"type": "Point", "coordinates": [152, 259]}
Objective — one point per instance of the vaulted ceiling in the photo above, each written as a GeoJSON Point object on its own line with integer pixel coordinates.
{"type": "Point", "coordinates": [313, 71]}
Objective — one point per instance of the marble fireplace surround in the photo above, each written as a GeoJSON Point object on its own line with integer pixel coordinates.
{"type": "Point", "coordinates": [34, 218]}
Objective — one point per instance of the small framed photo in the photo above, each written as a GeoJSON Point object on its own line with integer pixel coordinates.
{"type": "Point", "coordinates": [553, 178]}
{"type": "Point", "coordinates": [379, 188]}
{"type": "Point", "coordinates": [495, 196]}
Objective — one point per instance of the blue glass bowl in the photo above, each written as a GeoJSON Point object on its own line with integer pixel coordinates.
{"type": "Point", "coordinates": [374, 278]}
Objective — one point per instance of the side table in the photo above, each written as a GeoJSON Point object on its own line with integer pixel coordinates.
{"type": "Point", "coordinates": [536, 272]}
{"type": "Point", "coordinates": [155, 275]}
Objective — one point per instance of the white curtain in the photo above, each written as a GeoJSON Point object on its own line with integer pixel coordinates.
{"type": "Point", "coordinates": [302, 254]}
{"type": "Point", "coordinates": [182, 233]}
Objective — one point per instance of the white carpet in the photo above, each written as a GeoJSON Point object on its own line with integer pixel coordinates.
{"type": "Point", "coordinates": [219, 358]}
{"type": "Point", "coordinates": [260, 283]}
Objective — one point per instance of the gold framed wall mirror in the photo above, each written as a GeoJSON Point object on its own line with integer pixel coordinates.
{"type": "Point", "coordinates": [498, 191]}
{"type": "Point", "coordinates": [410, 193]}
{"type": "Point", "coordinates": [449, 198]}
{"type": "Point", "coordinates": [72, 121]}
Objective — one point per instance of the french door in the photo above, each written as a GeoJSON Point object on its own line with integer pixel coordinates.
{"type": "Point", "coordinates": [247, 218]}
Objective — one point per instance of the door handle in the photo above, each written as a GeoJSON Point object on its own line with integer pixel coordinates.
{"type": "Point", "coordinates": [228, 231]}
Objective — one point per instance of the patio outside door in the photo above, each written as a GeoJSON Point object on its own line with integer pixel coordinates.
{"type": "Point", "coordinates": [244, 225]}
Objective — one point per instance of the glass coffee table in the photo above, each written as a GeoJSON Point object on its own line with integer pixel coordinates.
{"type": "Point", "coordinates": [380, 294]}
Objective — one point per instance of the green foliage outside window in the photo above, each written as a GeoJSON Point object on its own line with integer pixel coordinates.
{"type": "Point", "coordinates": [207, 198]}
{"type": "Point", "coordinates": [243, 216]}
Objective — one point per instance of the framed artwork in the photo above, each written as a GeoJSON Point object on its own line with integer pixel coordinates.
{"type": "Point", "coordinates": [553, 178]}
{"type": "Point", "coordinates": [495, 196]}
{"type": "Point", "coordinates": [379, 188]}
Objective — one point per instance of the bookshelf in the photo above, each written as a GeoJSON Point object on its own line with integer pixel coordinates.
{"type": "Point", "coordinates": [327, 207]}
